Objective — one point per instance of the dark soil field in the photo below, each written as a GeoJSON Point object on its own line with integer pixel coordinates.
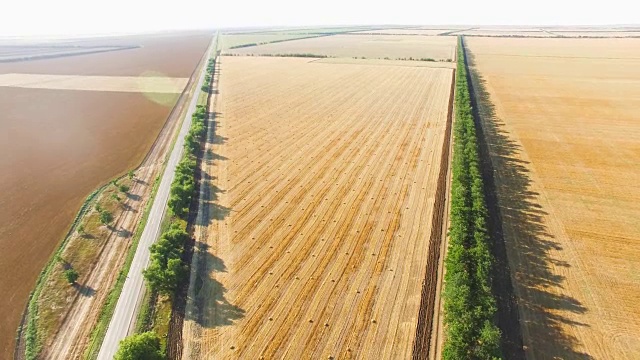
{"type": "Point", "coordinates": [57, 146]}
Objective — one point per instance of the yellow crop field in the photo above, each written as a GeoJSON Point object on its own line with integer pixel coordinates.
{"type": "Point", "coordinates": [230, 40]}
{"type": "Point", "coordinates": [312, 235]}
{"type": "Point", "coordinates": [369, 46]}
{"type": "Point", "coordinates": [562, 125]}
{"type": "Point", "coordinates": [426, 32]}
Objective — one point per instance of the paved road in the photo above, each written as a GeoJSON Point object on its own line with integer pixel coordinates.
{"type": "Point", "coordinates": [123, 319]}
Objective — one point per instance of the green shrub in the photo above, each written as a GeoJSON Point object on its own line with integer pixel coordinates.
{"type": "Point", "coordinates": [145, 346]}
{"type": "Point", "coordinates": [71, 275]}
{"type": "Point", "coordinates": [106, 217]}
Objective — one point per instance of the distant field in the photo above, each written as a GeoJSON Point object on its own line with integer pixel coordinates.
{"type": "Point", "coordinates": [505, 32]}
{"type": "Point", "coordinates": [383, 62]}
{"type": "Point", "coordinates": [598, 33]}
{"type": "Point", "coordinates": [230, 40]}
{"type": "Point", "coordinates": [300, 30]}
{"type": "Point", "coordinates": [23, 52]}
{"type": "Point", "coordinates": [57, 146]}
{"type": "Point", "coordinates": [563, 48]}
{"type": "Point", "coordinates": [562, 119]}
{"type": "Point", "coordinates": [403, 32]}
{"type": "Point", "coordinates": [369, 46]}
{"type": "Point", "coordinates": [143, 84]}
{"type": "Point", "coordinates": [313, 241]}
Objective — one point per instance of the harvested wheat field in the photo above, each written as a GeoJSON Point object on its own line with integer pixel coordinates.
{"type": "Point", "coordinates": [403, 31]}
{"type": "Point", "coordinates": [319, 192]}
{"type": "Point", "coordinates": [232, 40]}
{"type": "Point", "coordinates": [369, 46]}
{"type": "Point", "coordinates": [63, 136]}
{"type": "Point", "coordinates": [564, 134]}
{"type": "Point", "coordinates": [604, 34]}
{"type": "Point", "coordinates": [497, 32]}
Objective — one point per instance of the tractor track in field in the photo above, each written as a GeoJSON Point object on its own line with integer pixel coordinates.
{"type": "Point", "coordinates": [428, 311]}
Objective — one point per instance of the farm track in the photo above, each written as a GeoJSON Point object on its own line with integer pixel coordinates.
{"type": "Point", "coordinates": [428, 315]}
{"type": "Point", "coordinates": [75, 331]}
{"type": "Point", "coordinates": [321, 209]}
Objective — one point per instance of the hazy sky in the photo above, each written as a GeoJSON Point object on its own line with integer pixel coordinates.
{"type": "Point", "coordinates": [56, 17]}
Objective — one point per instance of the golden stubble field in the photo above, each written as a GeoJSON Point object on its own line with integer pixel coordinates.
{"type": "Point", "coordinates": [367, 45]}
{"type": "Point", "coordinates": [313, 236]}
{"type": "Point", "coordinates": [564, 133]}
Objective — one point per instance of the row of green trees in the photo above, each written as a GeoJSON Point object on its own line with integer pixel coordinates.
{"type": "Point", "coordinates": [167, 270]}
{"type": "Point", "coordinates": [184, 185]}
{"type": "Point", "coordinates": [469, 303]}
{"type": "Point", "coordinates": [209, 75]}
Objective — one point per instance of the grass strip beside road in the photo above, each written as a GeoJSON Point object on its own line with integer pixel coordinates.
{"type": "Point", "coordinates": [110, 303]}
{"type": "Point", "coordinates": [33, 342]}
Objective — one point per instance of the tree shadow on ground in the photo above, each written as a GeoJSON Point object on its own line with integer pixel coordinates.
{"type": "Point", "coordinates": [211, 307]}
{"type": "Point", "coordinates": [513, 205]}
{"type": "Point", "coordinates": [209, 196]}
{"type": "Point", "coordinates": [122, 232]}
{"type": "Point", "coordinates": [212, 157]}
{"type": "Point", "coordinates": [133, 197]}
{"type": "Point", "coordinates": [84, 290]}
{"type": "Point", "coordinates": [210, 91]}
{"type": "Point", "coordinates": [127, 207]}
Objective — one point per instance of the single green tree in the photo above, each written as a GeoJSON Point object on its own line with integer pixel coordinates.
{"type": "Point", "coordinates": [124, 188]}
{"type": "Point", "coordinates": [131, 174]}
{"type": "Point", "coordinates": [106, 217]}
{"type": "Point", "coordinates": [115, 197]}
{"type": "Point", "coordinates": [80, 229]}
{"type": "Point", "coordinates": [71, 275]}
{"type": "Point", "coordinates": [145, 346]}
{"type": "Point", "coordinates": [98, 208]}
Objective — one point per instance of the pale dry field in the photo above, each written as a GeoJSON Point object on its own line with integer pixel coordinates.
{"type": "Point", "coordinates": [369, 46]}
{"type": "Point", "coordinates": [313, 237]}
{"type": "Point", "coordinates": [564, 135]}
{"type": "Point", "coordinates": [598, 33]}
{"type": "Point", "coordinates": [144, 84]}
{"type": "Point", "coordinates": [591, 51]}
{"type": "Point", "coordinates": [229, 40]}
{"type": "Point", "coordinates": [404, 31]}
{"type": "Point", "coordinates": [383, 62]}
{"type": "Point", "coordinates": [505, 32]}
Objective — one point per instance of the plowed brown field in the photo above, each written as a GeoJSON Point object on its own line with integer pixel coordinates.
{"type": "Point", "coordinates": [313, 235]}
{"type": "Point", "coordinates": [56, 146]}
{"type": "Point", "coordinates": [562, 123]}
